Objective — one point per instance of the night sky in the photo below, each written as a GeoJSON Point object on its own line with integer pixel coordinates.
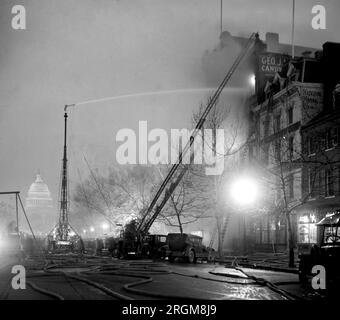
{"type": "Point", "coordinates": [77, 50]}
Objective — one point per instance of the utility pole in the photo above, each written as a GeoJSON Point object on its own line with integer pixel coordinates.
{"type": "Point", "coordinates": [221, 17]}
{"type": "Point", "coordinates": [293, 29]}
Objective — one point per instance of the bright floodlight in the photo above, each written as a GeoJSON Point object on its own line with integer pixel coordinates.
{"type": "Point", "coordinates": [244, 191]}
{"type": "Point", "coordinates": [252, 80]}
{"type": "Point", "coordinates": [92, 229]}
{"type": "Point", "coordinates": [105, 226]}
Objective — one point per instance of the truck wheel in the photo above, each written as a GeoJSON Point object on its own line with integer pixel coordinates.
{"type": "Point", "coordinates": [303, 270]}
{"type": "Point", "coordinates": [162, 255]}
{"type": "Point", "coordinates": [211, 258]}
{"type": "Point", "coordinates": [192, 257]}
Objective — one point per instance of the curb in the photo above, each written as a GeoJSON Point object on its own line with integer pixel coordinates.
{"type": "Point", "coordinates": [279, 269]}
{"type": "Point", "coordinates": [261, 266]}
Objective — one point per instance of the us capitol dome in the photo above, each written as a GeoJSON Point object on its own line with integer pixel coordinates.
{"type": "Point", "coordinates": [38, 194]}
{"type": "Point", "coordinates": [39, 208]}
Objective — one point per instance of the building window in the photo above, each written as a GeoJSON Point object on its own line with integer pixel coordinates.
{"type": "Point", "coordinates": [266, 127]}
{"type": "Point", "coordinates": [291, 186]}
{"type": "Point", "coordinates": [291, 147]}
{"type": "Point", "coordinates": [290, 115]}
{"type": "Point", "coordinates": [277, 150]}
{"type": "Point", "coordinates": [311, 183]}
{"type": "Point", "coordinates": [311, 145]}
{"type": "Point", "coordinates": [331, 138]}
{"type": "Point", "coordinates": [277, 123]}
{"type": "Point", "coordinates": [265, 155]}
{"type": "Point", "coordinates": [329, 182]}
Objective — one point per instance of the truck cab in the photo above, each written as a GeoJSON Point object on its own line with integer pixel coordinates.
{"type": "Point", "coordinates": [188, 247]}
{"type": "Point", "coordinates": [153, 246]}
{"type": "Point", "coordinates": [325, 252]}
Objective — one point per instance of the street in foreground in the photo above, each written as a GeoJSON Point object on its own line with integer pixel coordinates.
{"type": "Point", "coordinates": [75, 277]}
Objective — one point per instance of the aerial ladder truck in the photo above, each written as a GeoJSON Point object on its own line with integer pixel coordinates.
{"type": "Point", "coordinates": [135, 233]}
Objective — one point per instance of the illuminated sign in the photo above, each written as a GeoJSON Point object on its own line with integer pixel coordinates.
{"type": "Point", "coordinates": [270, 63]}
{"type": "Point", "coordinates": [307, 231]}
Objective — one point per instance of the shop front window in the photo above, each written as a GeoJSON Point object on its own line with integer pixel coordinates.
{"type": "Point", "coordinates": [307, 231]}
{"type": "Point", "coordinates": [331, 235]}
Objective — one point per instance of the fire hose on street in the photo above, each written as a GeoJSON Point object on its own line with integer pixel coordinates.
{"type": "Point", "coordinates": [86, 269]}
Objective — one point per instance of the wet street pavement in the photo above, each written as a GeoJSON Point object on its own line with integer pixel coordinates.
{"type": "Point", "coordinates": [72, 277]}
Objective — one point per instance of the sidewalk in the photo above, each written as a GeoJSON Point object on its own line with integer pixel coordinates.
{"type": "Point", "coordinates": [6, 263]}
{"type": "Point", "coordinates": [262, 260]}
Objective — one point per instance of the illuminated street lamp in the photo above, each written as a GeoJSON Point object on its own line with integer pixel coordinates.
{"type": "Point", "coordinates": [252, 80]}
{"type": "Point", "coordinates": [92, 229]}
{"type": "Point", "coordinates": [105, 226]}
{"type": "Point", "coordinates": [244, 191]}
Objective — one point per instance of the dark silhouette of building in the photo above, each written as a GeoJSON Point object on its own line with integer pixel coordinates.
{"type": "Point", "coordinates": [321, 170]}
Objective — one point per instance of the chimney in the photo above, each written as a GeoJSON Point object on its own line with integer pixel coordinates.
{"type": "Point", "coordinates": [272, 41]}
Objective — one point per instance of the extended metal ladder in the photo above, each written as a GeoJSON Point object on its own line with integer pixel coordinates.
{"type": "Point", "coordinates": [145, 224]}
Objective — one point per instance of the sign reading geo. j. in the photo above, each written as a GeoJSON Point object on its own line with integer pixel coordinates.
{"type": "Point", "coordinates": [270, 63]}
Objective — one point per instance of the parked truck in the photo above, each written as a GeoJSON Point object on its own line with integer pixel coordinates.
{"type": "Point", "coordinates": [188, 247]}
{"type": "Point", "coordinates": [133, 244]}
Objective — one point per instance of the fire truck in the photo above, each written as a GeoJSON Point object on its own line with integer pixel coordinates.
{"type": "Point", "coordinates": [135, 239]}
{"type": "Point", "coordinates": [131, 244]}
